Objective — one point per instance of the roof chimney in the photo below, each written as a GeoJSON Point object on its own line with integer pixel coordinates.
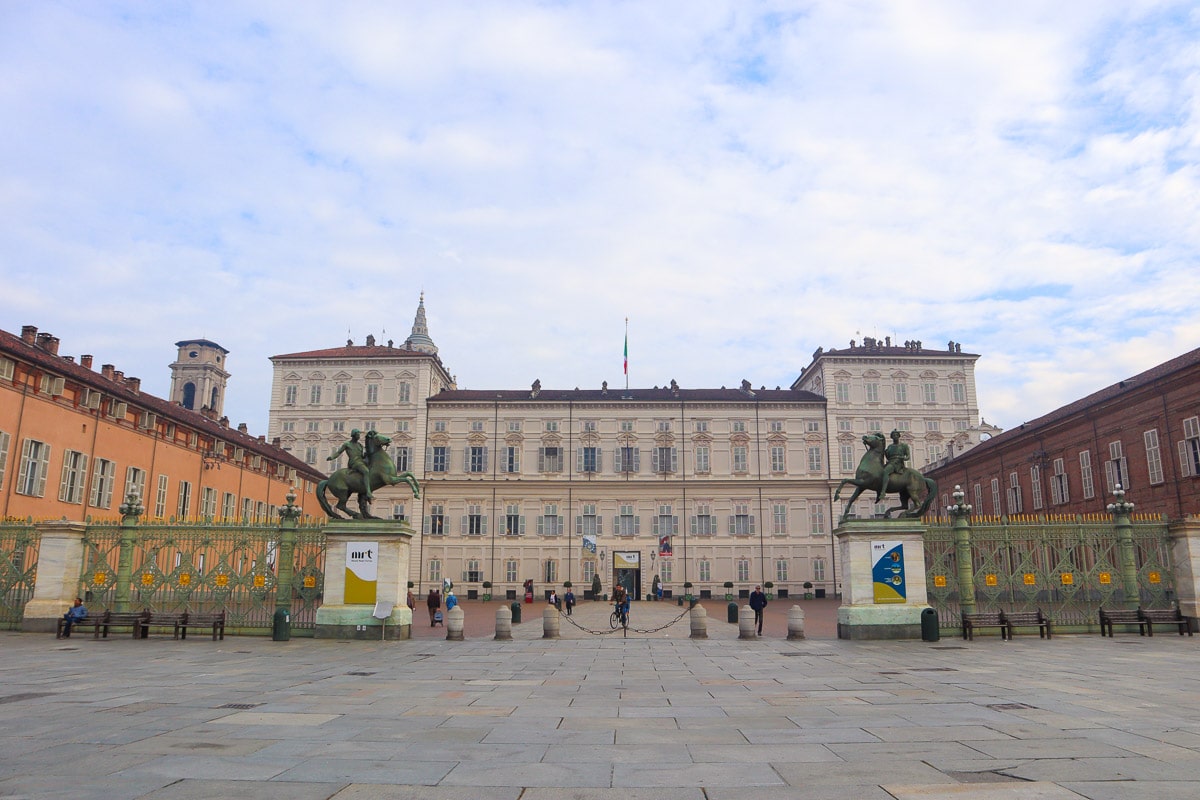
{"type": "Point", "coordinates": [47, 342]}
{"type": "Point", "coordinates": [86, 361]}
{"type": "Point", "coordinates": [135, 384]}
{"type": "Point", "coordinates": [52, 345]}
{"type": "Point", "coordinates": [242, 427]}
{"type": "Point", "coordinates": [107, 370]}
{"type": "Point", "coordinates": [224, 422]}
{"type": "Point", "coordinates": [118, 376]}
{"type": "Point", "coordinates": [29, 334]}
{"type": "Point", "coordinates": [262, 438]}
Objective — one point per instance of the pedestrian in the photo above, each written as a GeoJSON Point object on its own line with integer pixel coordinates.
{"type": "Point", "coordinates": [758, 601]}
{"type": "Point", "coordinates": [569, 599]}
{"type": "Point", "coordinates": [75, 613]}
{"type": "Point", "coordinates": [451, 600]}
{"type": "Point", "coordinates": [412, 600]}
{"type": "Point", "coordinates": [434, 601]}
{"type": "Point", "coordinates": [553, 598]}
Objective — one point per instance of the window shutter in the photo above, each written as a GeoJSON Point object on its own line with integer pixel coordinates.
{"type": "Point", "coordinates": [1191, 428]}
{"type": "Point", "coordinates": [1185, 459]}
{"type": "Point", "coordinates": [579, 460]}
{"type": "Point", "coordinates": [617, 524]}
{"type": "Point", "coordinates": [731, 525]}
{"type": "Point", "coordinates": [675, 526]}
{"type": "Point", "coordinates": [619, 459]}
{"type": "Point", "coordinates": [579, 526]}
{"type": "Point", "coordinates": [483, 527]}
{"type": "Point", "coordinates": [599, 521]}
{"type": "Point", "coordinates": [466, 525]}
{"type": "Point", "coordinates": [674, 459]}
{"type": "Point", "coordinates": [654, 459]}
{"type": "Point", "coordinates": [560, 525]}
{"type": "Point", "coordinates": [425, 526]}
{"type": "Point", "coordinates": [429, 459]}
{"type": "Point", "coordinates": [599, 460]}
{"type": "Point", "coordinates": [654, 525]}
{"type": "Point", "coordinates": [637, 459]}
{"type": "Point", "coordinates": [637, 525]}
{"type": "Point", "coordinates": [1110, 474]}
{"type": "Point", "coordinates": [522, 525]}
{"type": "Point", "coordinates": [541, 459]}
{"type": "Point", "coordinates": [64, 487]}
{"type": "Point", "coordinates": [466, 459]}
{"type": "Point", "coordinates": [485, 458]}
{"type": "Point", "coordinates": [752, 523]}
{"type": "Point", "coordinates": [541, 525]}
{"type": "Point", "coordinates": [694, 526]}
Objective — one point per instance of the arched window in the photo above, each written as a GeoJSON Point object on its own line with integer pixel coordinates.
{"type": "Point", "coordinates": [189, 395]}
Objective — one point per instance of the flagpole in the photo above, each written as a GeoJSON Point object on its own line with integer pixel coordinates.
{"type": "Point", "coordinates": [627, 353]}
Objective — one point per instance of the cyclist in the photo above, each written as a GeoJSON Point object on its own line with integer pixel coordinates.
{"type": "Point", "coordinates": [621, 603]}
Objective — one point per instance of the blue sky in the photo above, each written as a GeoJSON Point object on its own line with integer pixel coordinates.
{"type": "Point", "coordinates": [744, 181]}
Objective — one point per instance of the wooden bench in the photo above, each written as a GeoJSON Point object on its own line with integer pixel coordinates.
{"type": "Point", "coordinates": [1110, 617]}
{"type": "Point", "coordinates": [1164, 616]}
{"type": "Point", "coordinates": [1026, 619]}
{"type": "Point", "coordinates": [158, 619]}
{"type": "Point", "coordinates": [986, 620]}
{"type": "Point", "coordinates": [109, 619]}
{"type": "Point", "coordinates": [215, 621]}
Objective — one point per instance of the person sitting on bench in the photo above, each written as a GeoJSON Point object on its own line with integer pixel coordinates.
{"type": "Point", "coordinates": [75, 614]}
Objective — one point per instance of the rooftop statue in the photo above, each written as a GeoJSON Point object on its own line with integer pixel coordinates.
{"type": "Point", "coordinates": [368, 472]}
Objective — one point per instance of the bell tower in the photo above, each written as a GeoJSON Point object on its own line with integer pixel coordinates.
{"type": "Point", "coordinates": [198, 376]}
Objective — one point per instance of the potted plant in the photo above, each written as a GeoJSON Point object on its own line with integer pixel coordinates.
{"type": "Point", "coordinates": [687, 594]}
{"type": "Point", "coordinates": [728, 589]}
{"type": "Point", "coordinates": [808, 595]}
{"type": "Point", "coordinates": [487, 591]}
{"type": "Point", "coordinates": [769, 586]}
{"type": "Point", "coordinates": [596, 586]}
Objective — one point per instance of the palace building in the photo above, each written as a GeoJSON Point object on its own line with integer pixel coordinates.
{"type": "Point", "coordinates": [74, 442]}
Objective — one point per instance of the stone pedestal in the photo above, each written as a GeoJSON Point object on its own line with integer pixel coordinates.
{"type": "Point", "coordinates": [882, 595]}
{"type": "Point", "coordinates": [349, 603]}
{"type": "Point", "coordinates": [57, 585]}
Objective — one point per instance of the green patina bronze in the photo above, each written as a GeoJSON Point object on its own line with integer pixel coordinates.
{"type": "Point", "coordinates": [381, 471]}
{"type": "Point", "coordinates": [905, 481]}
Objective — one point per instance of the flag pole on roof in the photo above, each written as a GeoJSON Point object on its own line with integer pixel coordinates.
{"type": "Point", "coordinates": [627, 352]}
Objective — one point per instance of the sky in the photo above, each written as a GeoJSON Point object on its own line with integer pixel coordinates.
{"type": "Point", "coordinates": [743, 181]}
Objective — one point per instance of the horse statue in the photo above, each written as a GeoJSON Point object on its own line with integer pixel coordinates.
{"type": "Point", "coordinates": [909, 484]}
{"type": "Point", "coordinates": [345, 481]}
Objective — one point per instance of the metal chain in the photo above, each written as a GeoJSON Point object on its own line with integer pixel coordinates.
{"type": "Point", "coordinates": [625, 629]}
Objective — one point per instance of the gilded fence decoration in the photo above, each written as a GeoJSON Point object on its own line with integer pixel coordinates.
{"type": "Point", "coordinates": [1069, 567]}
{"type": "Point", "coordinates": [19, 543]}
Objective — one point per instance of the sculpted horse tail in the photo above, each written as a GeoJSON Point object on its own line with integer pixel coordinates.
{"type": "Point", "coordinates": [321, 487]}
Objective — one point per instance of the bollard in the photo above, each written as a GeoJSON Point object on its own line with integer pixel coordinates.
{"type": "Point", "coordinates": [550, 622]}
{"type": "Point", "coordinates": [503, 623]}
{"type": "Point", "coordinates": [795, 622]}
{"type": "Point", "coordinates": [731, 613]}
{"type": "Point", "coordinates": [454, 624]}
{"type": "Point", "coordinates": [699, 620]}
{"type": "Point", "coordinates": [746, 623]}
{"type": "Point", "coordinates": [516, 613]}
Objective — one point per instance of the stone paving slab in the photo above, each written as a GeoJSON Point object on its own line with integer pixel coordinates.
{"type": "Point", "coordinates": [597, 718]}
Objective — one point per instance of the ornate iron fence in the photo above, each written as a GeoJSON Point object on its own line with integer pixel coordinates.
{"type": "Point", "coordinates": [1069, 567]}
{"type": "Point", "coordinates": [19, 544]}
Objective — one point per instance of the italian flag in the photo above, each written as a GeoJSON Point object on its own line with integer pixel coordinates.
{"type": "Point", "coordinates": [626, 352]}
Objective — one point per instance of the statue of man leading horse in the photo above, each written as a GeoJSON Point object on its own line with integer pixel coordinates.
{"type": "Point", "coordinates": [882, 471]}
{"type": "Point", "coordinates": [379, 471]}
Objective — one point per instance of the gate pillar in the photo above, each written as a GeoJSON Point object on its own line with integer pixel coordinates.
{"type": "Point", "coordinates": [366, 563]}
{"type": "Point", "coordinates": [56, 584]}
{"type": "Point", "coordinates": [1185, 557]}
{"type": "Point", "coordinates": [883, 578]}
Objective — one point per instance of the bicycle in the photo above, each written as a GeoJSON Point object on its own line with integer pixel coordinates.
{"type": "Point", "coordinates": [618, 619]}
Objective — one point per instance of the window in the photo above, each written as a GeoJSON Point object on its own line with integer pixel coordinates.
{"type": "Point", "coordinates": [550, 459]}
{"type": "Point", "coordinates": [514, 426]}
{"type": "Point", "coordinates": [743, 570]}
{"type": "Point", "coordinates": [104, 475]}
{"type": "Point", "coordinates": [629, 459]}
{"type": "Point", "coordinates": [439, 458]}
{"type": "Point", "coordinates": [260, 511]}
{"type": "Point", "coordinates": [845, 426]}
{"type": "Point", "coordinates": [704, 524]}
{"type": "Point", "coordinates": [933, 426]}
{"type": "Point", "coordinates": [812, 426]}
{"type": "Point", "coordinates": [74, 473]}
{"type": "Point", "coordinates": [370, 425]}
{"type": "Point", "coordinates": [184, 505]}
{"type": "Point", "coordinates": [551, 426]}
{"type": "Point", "coordinates": [816, 518]}
{"type": "Point", "coordinates": [739, 426]}
{"type": "Point", "coordinates": [160, 498]}
{"type": "Point", "coordinates": [372, 394]}
{"type": "Point", "coordinates": [1153, 456]}
{"type": "Point", "coordinates": [846, 457]}
{"type": "Point", "coordinates": [818, 569]}
{"type": "Point", "coordinates": [705, 570]}
{"type": "Point", "coordinates": [287, 427]}
{"type": "Point", "coordinates": [665, 568]}
{"type": "Point", "coordinates": [936, 451]}
{"type": "Point", "coordinates": [403, 459]}
{"type": "Point", "coordinates": [435, 523]}
{"type": "Point", "coordinates": [340, 394]}
{"type": "Point", "coordinates": [314, 426]}
{"type": "Point", "coordinates": [314, 394]}
{"type": "Point", "coordinates": [1014, 494]}
{"type": "Point", "coordinates": [247, 509]}
{"type": "Point", "coordinates": [551, 571]}
{"type": "Point", "coordinates": [664, 426]}
{"type": "Point", "coordinates": [404, 392]}
{"type": "Point", "coordinates": [740, 463]}
{"type": "Point", "coordinates": [626, 523]}
{"type": "Point", "coordinates": [135, 479]}
{"type": "Point", "coordinates": [665, 523]}
{"type": "Point", "coordinates": [700, 426]}
{"type": "Point", "coordinates": [815, 459]}
{"type": "Point", "coordinates": [781, 570]}
{"type": "Point", "coordinates": [476, 426]}
{"type": "Point", "coordinates": [778, 458]}
{"type": "Point", "coordinates": [1085, 474]}
{"type": "Point", "coordinates": [874, 426]}
{"type": "Point", "coordinates": [929, 390]}
{"type": "Point", "coordinates": [512, 459]}
{"type": "Point", "coordinates": [742, 522]}
{"type": "Point", "coordinates": [626, 426]}
{"type": "Point", "coordinates": [872, 392]}
{"type": "Point", "coordinates": [510, 570]}
{"type": "Point", "coordinates": [514, 523]}
{"type": "Point", "coordinates": [435, 570]}
{"type": "Point", "coordinates": [702, 459]}
{"type": "Point", "coordinates": [228, 505]}
{"type": "Point", "coordinates": [1035, 485]}
{"type": "Point", "coordinates": [475, 524]}
{"type": "Point", "coordinates": [439, 426]}
{"type": "Point", "coordinates": [589, 459]}
{"type": "Point", "coordinates": [588, 523]}
{"type": "Point", "coordinates": [996, 497]}
{"type": "Point", "coordinates": [589, 426]}
{"type": "Point", "coordinates": [208, 502]}
{"type": "Point", "coordinates": [978, 498]}
{"type": "Point", "coordinates": [961, 425]}
{"type": "Point", "coordinates": [1059, 486]}
{"type": "Point", "coordinates": [550, 523]}
{"type": "Point", "coordinates": [901, 390]}
{"type": "Point", "coordinates": [1115, 469]}
{"type": "Point", "coordinates": [776, 426]}
{"type": "Point", "coordinates": [289, 394]}
{"type": "Point", "coordinates": [958, 392]}
{"type": "Point", "coordinates": [310, 455]}
{"type": "Point", "coordinates": [476, 459]}
{"type": "Point", "coordinates": [842, 392]}
{"type": "Point", "coordinates": [779, 519]}
{"type": "Point", "coordinates": [474, 574]}
{"type": "Point", "coordinates": [1189, 448]}
{"type": "Point", "coordinates": [665, 459]}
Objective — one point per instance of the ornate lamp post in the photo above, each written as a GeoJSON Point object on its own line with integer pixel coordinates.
{"type": "Point", "coordinates": [960, 512]}
{"type": "Point", "coordinates": [1120, 510]}
{"type": "Point", "coordinates": [130, 511]}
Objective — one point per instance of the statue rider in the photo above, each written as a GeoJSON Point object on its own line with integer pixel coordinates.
{"type": "Point", "coordinates": [356, 459]}
{"type": "Point", "coordinates": [896, 455]}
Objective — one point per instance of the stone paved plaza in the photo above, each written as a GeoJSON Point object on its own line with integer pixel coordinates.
{"type": "Point", "coordinates": [649, 716]}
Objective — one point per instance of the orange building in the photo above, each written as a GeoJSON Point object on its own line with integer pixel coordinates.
{"type": "Point", "coordinates": [74, 442]}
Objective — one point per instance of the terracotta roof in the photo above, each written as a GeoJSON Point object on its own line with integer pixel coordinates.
{"type": "Point", "coordinates": [656, 395]}
{"type": "Point", "coordinates": [59, 365]}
